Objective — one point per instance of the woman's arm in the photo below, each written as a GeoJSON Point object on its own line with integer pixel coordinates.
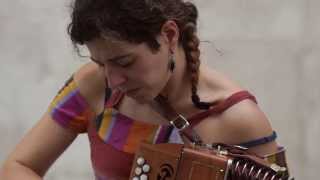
{"type": "Point", "coordinates": [47, 140]}
{"type": "Point", "coordinates": [37, 151]}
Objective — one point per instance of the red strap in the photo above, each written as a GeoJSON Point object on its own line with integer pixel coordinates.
{"type": "Point", "coordinates": [221, 107]}
{"type": "Point", "coordinates": [197, 118]}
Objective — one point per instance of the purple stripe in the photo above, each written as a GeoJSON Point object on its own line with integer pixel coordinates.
{"type": "Point", "coordinates": [70, 109]}
{"type": "Point", "coordinates": [161, 134]}
{"type": "Point", "coordinates": [66, 97]}
{"type": "Point", "coordinates": [120, 131]}
{"type": "Point", "coordinates": [175, 137]}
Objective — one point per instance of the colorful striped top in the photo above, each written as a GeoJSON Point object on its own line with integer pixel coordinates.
{"type": "Point", "coordinates": [114, 137]}
{"type": "Point", "coordinates": [125, 134]}
{"type": "Point", "coordinates": [70, 109]}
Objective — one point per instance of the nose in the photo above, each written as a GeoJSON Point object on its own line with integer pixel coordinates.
{"type": "Point", "coordinates": [115, 77]}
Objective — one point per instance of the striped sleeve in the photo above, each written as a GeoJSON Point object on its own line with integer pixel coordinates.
{"type": "Point", "coordinates": [69, 108]}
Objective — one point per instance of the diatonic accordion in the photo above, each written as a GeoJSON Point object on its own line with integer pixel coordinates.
{"type": "Point", "coordinates": [179, 162]}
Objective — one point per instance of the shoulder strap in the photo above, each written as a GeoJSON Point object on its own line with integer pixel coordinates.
{"type": "Point", "coordinates": [176, 120]}
{"type": "Point", "coordinates": [221, 107]}
{"type": "Point", "coordinates": [185, 126]}
{"type": "Point", "coordinates": [260, 141]}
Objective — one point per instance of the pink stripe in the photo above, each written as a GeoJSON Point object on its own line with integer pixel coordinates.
{"type": "Point", "coordinates": [74, 106]}
{"type": "Point", "coordinates": [162, 134]}
{"type": "Point", "coordinates": [120, 131]}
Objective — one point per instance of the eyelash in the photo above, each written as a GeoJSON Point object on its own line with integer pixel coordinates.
{"type": "Point", "coordinates": [118, 64]}
{"type": "Point", "coordinates": [126, 64]}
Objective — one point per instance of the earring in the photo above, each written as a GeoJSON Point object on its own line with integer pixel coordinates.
{"type": "Point", "coordinates": [172, 63]}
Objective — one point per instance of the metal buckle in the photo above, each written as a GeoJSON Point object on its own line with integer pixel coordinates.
{"type": "Point", "coordinates": [241, 147]}
{"type": "Point", "coordinates": [180, 122]}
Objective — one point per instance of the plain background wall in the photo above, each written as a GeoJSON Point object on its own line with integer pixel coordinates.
{"type": "Point", "coordinates": [271, 47]}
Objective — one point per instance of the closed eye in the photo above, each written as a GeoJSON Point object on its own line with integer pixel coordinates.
{"type": "Point", "coordinates": [124, 62]}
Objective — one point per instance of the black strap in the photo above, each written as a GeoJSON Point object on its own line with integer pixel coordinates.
{"type": "Point", "coordinates": [177, 120]}
{"type": "Point", "coordinates": [260, 141]}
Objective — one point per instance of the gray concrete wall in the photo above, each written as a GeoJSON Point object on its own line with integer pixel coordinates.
{"type": "Point", "coordinates": [271, 47]}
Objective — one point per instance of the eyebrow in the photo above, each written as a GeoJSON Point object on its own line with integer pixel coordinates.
{"type": "Point", "coordinates": [114, 58]}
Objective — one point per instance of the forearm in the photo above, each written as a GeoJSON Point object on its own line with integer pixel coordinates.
{"type": "Point", "coordinates": [17, 171]}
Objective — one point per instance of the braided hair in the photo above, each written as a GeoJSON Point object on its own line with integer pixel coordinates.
{"type": "Point", "coordinates": [190, 43]}
{"type": "Point", "coordinates": [139, 21]}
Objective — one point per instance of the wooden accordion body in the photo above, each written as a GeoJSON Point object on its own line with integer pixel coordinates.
{"type": "Point", "coordinates": [176, 162]}
{"type": "Point", "coordinates": [173, 161]}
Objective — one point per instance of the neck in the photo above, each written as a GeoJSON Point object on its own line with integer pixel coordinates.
{"type": "Point", "coordinates": [178, 87]}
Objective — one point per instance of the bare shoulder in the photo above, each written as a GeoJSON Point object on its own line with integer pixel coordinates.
{"type": "Point", "coordinates": [247, 120]}
{"type": "Point", "coordinates": [242, 122]}
{"type": "Point", "coordinates": [91, 83]}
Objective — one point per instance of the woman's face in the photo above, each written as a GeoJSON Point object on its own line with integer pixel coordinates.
{"type": "Point", "coordinates": [132, 68]}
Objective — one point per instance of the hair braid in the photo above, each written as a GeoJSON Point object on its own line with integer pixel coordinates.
{"type": "Point", "coordinates": [190, 43]}
{"type": "Point", "coordinates": [139, 22]}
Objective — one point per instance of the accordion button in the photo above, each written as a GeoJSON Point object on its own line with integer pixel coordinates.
{"type": "Point", "coordinates": [135, 178]}
{"type": "Point", "coordinates": [138, 170]}
{"type": "Point", "coordinates": [140, 161]}
{"type": "Point", "coordinates": [146, 168]}
{"type": "Point", "coordinates": [143, 177]}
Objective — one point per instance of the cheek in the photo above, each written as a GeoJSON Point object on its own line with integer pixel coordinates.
{"type": "Point", "coordinates": [157, 74]}
{"type": "Point", "coordinates": [150, 72]}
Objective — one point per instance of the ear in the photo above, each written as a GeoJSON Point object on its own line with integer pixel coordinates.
{"type": "Point", "coordinates": [170, 33]}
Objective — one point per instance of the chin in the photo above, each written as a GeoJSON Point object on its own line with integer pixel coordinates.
{"type": "Point", "coordinates": [141, 99]}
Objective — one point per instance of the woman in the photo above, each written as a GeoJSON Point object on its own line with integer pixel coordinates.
{"type": "Point", "coordinates": [140, 50]}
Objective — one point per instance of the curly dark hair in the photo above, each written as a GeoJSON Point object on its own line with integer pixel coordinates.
{"type": "Point", "coordinates": [139, 21]}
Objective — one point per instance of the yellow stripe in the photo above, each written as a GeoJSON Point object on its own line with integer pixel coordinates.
{"type": "Point", "coordinates": [107, 117]}
{"type": "Point", "coordinates": [65, 91]}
